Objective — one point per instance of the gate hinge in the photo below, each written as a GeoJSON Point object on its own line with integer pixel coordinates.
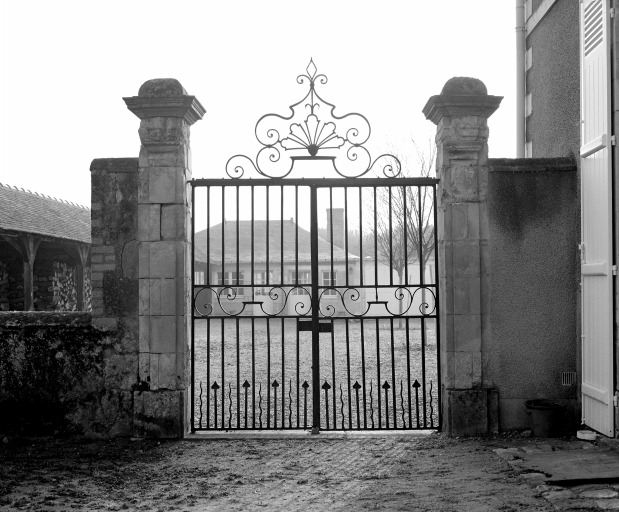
{"type": "Point", "coordinates": [614, 270]}
{"type": "Point", "coordinates": [615, 399]}
{"type": "Point", "coordinates": [613, 140]}
{"type": "Point", "coordinates": [612, 12]}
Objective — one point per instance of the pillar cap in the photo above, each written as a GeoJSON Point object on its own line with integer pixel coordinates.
{"type": "Point", "coordinates": [165, 97]}
{"type": "Point", "coordinates": [461, 96]}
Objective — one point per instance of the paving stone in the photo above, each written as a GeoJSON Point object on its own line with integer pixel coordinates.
{"type": "Point", "coordinates": [545, 487]}
{"type": "Point", "coordinates": [507, 453]}
{"type": "Point", "coordinates": [612, 504]}
{"type": "Point", "coordinates": [558, 495]}
{"type": "Point", "coordinates": [534, 478]}
{"type": "Point", "coordinates": [574, 504]}
{"type": "Point", "coordinates": [599, 493]}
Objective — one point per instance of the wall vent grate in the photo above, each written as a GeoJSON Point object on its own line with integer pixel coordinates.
{"type": "Point", "coordinates": [568, 378]}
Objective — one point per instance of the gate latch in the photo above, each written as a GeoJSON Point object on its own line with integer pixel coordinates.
{"type": "Point", "coordinates": [306, 325]}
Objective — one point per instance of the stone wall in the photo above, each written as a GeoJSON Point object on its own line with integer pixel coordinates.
{"type": "Point", "coordinates": [534, 226]}
{"type": "Point", "coordinates": [59, 375]}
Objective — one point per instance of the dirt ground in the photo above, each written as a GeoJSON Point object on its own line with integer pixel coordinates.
{"type": "Point", "coordinates": [316, 473]}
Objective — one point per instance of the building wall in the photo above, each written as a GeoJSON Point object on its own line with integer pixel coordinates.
{"type": "Point", "coordinates": [534, 269]}
{"type": "Point", "coordinates": [553, 82]}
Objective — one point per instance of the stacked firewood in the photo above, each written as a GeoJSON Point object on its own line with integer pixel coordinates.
{"type": "Point", "coordinates": [64, 287]}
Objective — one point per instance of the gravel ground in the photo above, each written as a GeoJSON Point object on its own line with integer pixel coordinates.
{"type": "Point", "coordinates": [415, 472]}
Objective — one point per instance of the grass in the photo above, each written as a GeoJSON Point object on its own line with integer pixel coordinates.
{"type": "Point", "coordinates": [263, 351]}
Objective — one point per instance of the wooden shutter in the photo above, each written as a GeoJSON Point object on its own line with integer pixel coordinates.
{"type": "Point", "coordinates": [596, 192]}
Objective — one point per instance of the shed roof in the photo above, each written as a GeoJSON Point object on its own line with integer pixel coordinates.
{"type": "Point", "coordinates": [291, 242]}
{"type": "Point", "coordinates": [29, 212]}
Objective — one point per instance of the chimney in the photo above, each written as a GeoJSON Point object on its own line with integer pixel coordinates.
{"type": "Point", "coordinates": [337, 214]}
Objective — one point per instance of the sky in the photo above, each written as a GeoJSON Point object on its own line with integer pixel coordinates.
{"type": "Point", "coordinates": [66, 65]}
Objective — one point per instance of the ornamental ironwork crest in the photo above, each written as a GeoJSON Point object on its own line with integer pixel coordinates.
{"type": "Point", "coordinates": [313, 131]}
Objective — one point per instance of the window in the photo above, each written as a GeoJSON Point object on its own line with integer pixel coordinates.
{"type": "Point", "coordinates": [230, 279]}
{"type": "Point", "coordinates": [198, 278]}
{"type": "Point", "coordinates": [304, 278]}
{"type": "Point", "coordinates": [329, 279]}
{"type": "Point", "coordinates": [260, 278]}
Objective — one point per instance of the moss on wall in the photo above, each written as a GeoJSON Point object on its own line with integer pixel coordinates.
{"type": "Point", "coordinates": [58, 374]}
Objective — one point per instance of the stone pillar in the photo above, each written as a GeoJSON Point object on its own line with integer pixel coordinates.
{"type": "Point", "coordinates": [166, 113]}
{"type": "Point", "coordinates": [461, 112]}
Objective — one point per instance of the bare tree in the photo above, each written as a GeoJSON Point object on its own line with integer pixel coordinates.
{"type": "Point", "coordinates": [405, 220]}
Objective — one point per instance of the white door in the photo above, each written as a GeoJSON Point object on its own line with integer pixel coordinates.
{"type": "Point", "coordinates": [596, 190]}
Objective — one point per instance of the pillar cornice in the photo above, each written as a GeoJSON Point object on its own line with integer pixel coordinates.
{"type": "Point", "coordinates": [442, 105]}
{"type": "Point", "coordinates": [187, 108]}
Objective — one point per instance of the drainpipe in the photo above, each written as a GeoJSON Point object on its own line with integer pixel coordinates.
{"type": "Point", "coordinates": [520, 78]}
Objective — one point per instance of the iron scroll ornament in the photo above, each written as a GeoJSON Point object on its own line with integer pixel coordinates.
{"type": "Point", "coordinates": [306, 136]}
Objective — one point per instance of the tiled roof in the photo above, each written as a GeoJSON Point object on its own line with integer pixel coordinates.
{"type": "Point", "coordinates": [38, 214]}
{"type": "Point", "coordinates": [260, 238]}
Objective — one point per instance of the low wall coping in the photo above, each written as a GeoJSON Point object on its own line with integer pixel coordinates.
{"type": "Point", "coordinates": [115, 164]}
{"type": "Point", "coordinates": [13, 319]}
{"type": "Point", "coordinates": [531, 164]}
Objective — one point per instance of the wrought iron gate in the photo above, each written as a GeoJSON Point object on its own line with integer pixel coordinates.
{"type": "Point", "coordinates": [315, 301]}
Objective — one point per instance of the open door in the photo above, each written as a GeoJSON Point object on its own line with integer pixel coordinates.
{"type": "Point", "coordinates": [596, 210]}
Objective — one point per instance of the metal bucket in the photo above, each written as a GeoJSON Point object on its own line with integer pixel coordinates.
{"type": "Point", "coordinates": [546, 417]}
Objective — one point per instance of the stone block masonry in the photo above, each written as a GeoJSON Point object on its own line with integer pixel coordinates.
{"type": "Point", "coordinates": [163, 214]}
{"type": "Point", "coordinates": [461, 112]}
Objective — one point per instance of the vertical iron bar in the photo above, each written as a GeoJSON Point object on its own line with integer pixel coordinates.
{"type": "Point", "coordinates": [437, 311]}
{"type": "Point", "coordinates": [390, 239]}
{"type": "Point", "coordinates": [376, 266]}
{"type": "Point", "coordinates": [251, 257]}
{"type": "Point", "coordinates": [268, 243]}
{"type": "Point", "coordinates": [275, 405]}
{"type": "Point", "coordinates": [408, 372]}
{"type": "Point", "coordinates": [208, 320]}
{"type": "Point", "coordinates": [208, 374]}
{"type": "Point", "coordinates": [193, 320]}
{"type": "Point", "coordinates": [208, 239]}
{"type": "Point", "coordinates": [296, 236]}
{"type": "Point", "coordinates": [253, 297]}
{"type": "Point", "coordinates": [298, 376]}
{"type": "Point", "coordinates": [393, 386]}
{"type": "Point", "coordinates": [378, 371]}
{"type": "Point", "coordinates": [363, 373]}
{"type": "Point", "coordinates": [332, 283]}
{"type": "Point", "coordinates": [361, 245]}
{"type": "Point", "coordinates": [238, 374]}
{"type": "Point", "coordinates": [223, 381]}
{"type": "Point", "coordinates": [423, 295]}
{"type": "Point", "coordinates": [281, 225]}
{"type": "Point", "coordinates": [333, 372]}
{"type": "Point", "coordinates": [315, 305]}
{"type": "Point", "coordinates": [268, 371]}
{"type": "Point", "coordinates": [238, 280]}
{"type": "Point", "coordinates": [423, 367]}
{"type": "Point", "coordinates": [253, 372]}
{"type": "Point", "coordinates": [404, 220]}
{"type": "Point", "coordinates": [296, 282]}
{"type": "Point", "coordinates": [348, 373]}
{"type": "Point", "coordinates": [283, 376]}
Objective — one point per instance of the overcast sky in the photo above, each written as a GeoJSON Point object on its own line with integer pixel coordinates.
{"type": "Point", "coordinates": [65, 66]}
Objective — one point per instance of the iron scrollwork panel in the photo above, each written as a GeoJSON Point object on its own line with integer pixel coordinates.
{"type": "Point", "coordinates": [256, 300]}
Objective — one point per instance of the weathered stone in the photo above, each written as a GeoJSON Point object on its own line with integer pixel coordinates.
{"type": "Point", "coordinates": [162, 333]}
{"type": "Point", "coordinates": [149, 222]}
{"type": "Point", "coordinates": [162, 259]}
{"type": "Point", "coordinates": [599, 493]}
{"type": "Point", "coordinates": [558, 495]}
{"type": "Point", "coordinates": [173, 220]}
{"type": "Point", "coordinates": [159, 414]}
